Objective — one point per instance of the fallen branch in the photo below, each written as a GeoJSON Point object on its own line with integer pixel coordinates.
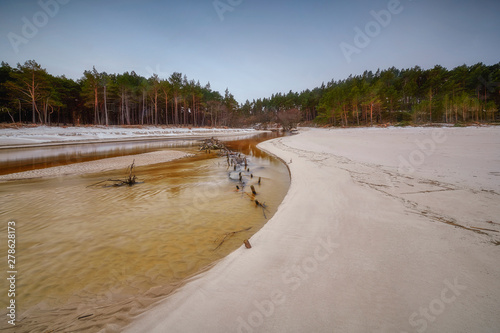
{"type": "Point", "coordinates": [86, 316]}
{"type": "Point", "coordinates": [131, 180]}
{"type": "Point", "coordinates": [264, 207]}
{"type": "Point", "coordinates": [229, 235]}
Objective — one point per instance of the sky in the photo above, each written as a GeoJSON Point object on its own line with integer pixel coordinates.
{"type": "Point", "coordinates": [254, 48]}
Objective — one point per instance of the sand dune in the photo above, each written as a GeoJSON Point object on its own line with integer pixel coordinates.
{"type": "Point", "coordinates": [382, 230]}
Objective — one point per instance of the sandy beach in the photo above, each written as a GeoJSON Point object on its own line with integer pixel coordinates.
{"type": "Point", "coordinates": [382, 230]}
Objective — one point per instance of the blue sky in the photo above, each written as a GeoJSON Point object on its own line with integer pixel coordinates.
{"type": "Point", "coordinates": [254, 48]}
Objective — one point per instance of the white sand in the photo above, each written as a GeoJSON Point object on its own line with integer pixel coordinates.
{"type": "Point", "coordinates": [26, 136]}
{"type": "Point", "coordinates": [363, 242]}
{"type": "Point", "coordinates": [101, 165]}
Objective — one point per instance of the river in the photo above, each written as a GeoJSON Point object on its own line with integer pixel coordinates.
{"type": "Point", "coordinates": [89, 258]}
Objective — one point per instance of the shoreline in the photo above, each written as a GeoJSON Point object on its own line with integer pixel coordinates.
{"type": "Point", "coordinates": [100, 165]}
{"type": "Point", "coordinates": [48, 136]}
{"type": "Point", "coordinates": [359, 245]}
{"type": "Point", "coordinates": [112, 163]}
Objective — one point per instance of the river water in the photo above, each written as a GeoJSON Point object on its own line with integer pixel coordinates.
{"type": "Point", "coordinates": [89, 258]}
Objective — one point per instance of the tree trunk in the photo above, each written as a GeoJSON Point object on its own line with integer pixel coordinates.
{"type": "Point", "coordinates": [127, 111]}
{"type": "Point", "coordinates": [194, 112]}
{"type": "Point", "coordinates": [32, 91]}
{"type": "Point", "coordinates": [166, 108]}
{"type": "Point", "coordinates": [143, 106]}
{"type": "Point", "coordinates": [176, 122]}
{"type": "Point", "coordinates": [185, 116]}
{"type": "Point", "coordinates": [430, 105]}
{"type": "Point", "coordinates": [122, 109]}
{"type": "Point", "coordinates": [106, 106]}
{"type": "Point", "coordinates": [96, 106]}
{"type": "Point", "coordinates": [371, 114]}
{"type": "Point", "coordinates": [156, 107]}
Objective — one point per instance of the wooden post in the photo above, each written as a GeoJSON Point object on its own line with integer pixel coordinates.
{"type": "Point", "coordinates": [253, 190]}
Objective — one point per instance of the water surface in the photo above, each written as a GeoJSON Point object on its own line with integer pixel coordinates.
{"type": "Point", "coordinates": [108, 253]}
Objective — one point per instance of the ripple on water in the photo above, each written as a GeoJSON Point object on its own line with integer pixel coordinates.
{"type": "Point", "coordinates": [112, 252]}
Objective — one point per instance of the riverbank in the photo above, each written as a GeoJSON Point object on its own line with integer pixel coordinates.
{"type": "Point", "coordinates": [101, 165]}
{"type": "Point", "coordinates": [35, 136]}
{"type": "Point", "coordinates": [382, 230]}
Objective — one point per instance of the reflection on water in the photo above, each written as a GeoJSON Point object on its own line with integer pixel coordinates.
{"type": "Point", "coordinates": [24, 159]}
{"type": "Point", "coordinates": [108, 253]}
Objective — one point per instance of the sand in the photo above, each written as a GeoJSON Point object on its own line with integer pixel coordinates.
{"type": "Point", "coordinates": [101, 165]}
{"type": "Point", "coordinates": [382, 230]}
{"type": "Point", "coordinates": [33, 136]}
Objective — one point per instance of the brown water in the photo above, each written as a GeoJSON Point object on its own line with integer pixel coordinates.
{"type": "Point", "coordinates": [109, 253]}
{"type": "Point", "coordinates": [25, 159]}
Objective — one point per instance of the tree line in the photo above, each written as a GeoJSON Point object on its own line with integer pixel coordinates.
{"type": "Point", "coordinates": [414, 95]}
{"type": "Point", "coordinates": [29, 94]}
{"type": "Point", "coordinates": [464, 94]}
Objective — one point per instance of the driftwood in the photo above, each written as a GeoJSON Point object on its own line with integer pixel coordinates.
{"type": "Point", "coordinates": [212, 144]}
{"type": "Point", "coordinates": [229, 235]}
{"type": "Point", "coordinates": [86, 316]}
{"type": "Point", "coordinates": [253, 190]}
{"type": "Point", "coordinates": [263, 205]}
{"type": "Point", "coordinates": [238, 164]}
{"type": "Point", "coordinates": [130, 180]}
